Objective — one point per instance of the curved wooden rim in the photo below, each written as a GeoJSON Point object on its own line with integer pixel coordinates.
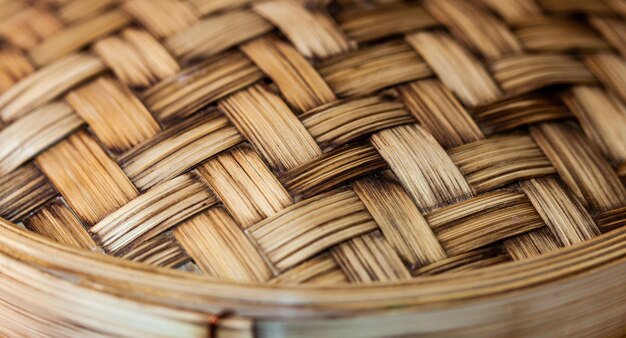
{"type": "Point", "coordinates": [197, 293]}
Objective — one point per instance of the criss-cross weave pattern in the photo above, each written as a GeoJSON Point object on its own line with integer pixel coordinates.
{"type": "Point", "coordinates": [297, 142]}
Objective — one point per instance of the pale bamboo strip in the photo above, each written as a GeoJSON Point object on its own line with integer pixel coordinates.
{"type": "Point", "coordinates": [164, 17]}
{"type": "Point", "coordinates": [35, 132]}
{"type": "Point", "coordinates": [246, 186]}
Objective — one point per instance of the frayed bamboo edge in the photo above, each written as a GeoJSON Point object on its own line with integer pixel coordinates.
{"type": "Point", "coordinates": [42, 278]}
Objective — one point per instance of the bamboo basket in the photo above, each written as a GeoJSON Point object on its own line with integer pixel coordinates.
{"type": "Point", "coordinates": [351, 168]}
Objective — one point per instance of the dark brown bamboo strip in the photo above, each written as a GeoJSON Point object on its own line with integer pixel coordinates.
{"type": "Point", "coordinates": [319, 270]}
{"type": "Point", "coordinates": [468, 261]}
{"type": "Point", "coordinates": [163, 251]}
{"type": "Point", "coordinates": [558, 35]}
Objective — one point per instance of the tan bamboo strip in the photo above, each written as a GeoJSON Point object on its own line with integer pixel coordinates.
{"type": "Point", "coordinates": [423, 167]}
{"type": "Point", "coordinates": [565, 6]}
{"type": "Point", "coordinates": [611, 219]}
{"type": "Point", "coordinates": [469, 208]}
{"type": "Point", "coordinates": [195, 87]}
{"type": "Point", "coordinates": [310, 226]}
{"type": "Point", "coordinates": [514, 11]}
{"type": "Point", "coordinates": [57, 222]}
{"type": "Point", "coordinates": [93, 186]}
{"type": "Point", "coordinates": [14, 66]}
{"type": "Point", "coordinates": [487, 227]}
{"type": "Point", "coordinates": [114, 114]}
{"type": "Point", "coordinates": [28, 27]}
{"type": "Point", "coordinates": [498, 161]}
{"type": "Point", "coordinates": [78, 10]}
{"type": "Point", "coordinates": [581, 166]}
{"type": "Point", "coordinates": [343, 121]}
{"type": "Point", "coordinates": [22, 191]}
{"type": "Point", "coordinates": [439, 112]}
{"type": "Point", "coordinates": [35, 132]}
{"type": "Point", "coordinates": [332, 169]}
{"type": "Point", "coordinates": [366, 24]}
{"type": "Point", "coordinates": [245, 185]}
{"type": "Point", "coordinates": [557, 35]}
{"type": "Point", "coordinates": [369, 258]}
{"type": "Point", "coordinates": [9, 8]}
{"type": "Point", "coordinates": [297, 80]}
{"type": "Point", "coordinates": [519, 111]}
{"type": "Point", "coordinates": [268, 123]}
{"type": "Point", "coordinates": [621, 172]}
{"type": "Point", "coordinates": [220, 248]}
{"type": "Point", "coordinates": [476, 26]}
{"type": "Point", "coordinates": [47, 83]}
{"type": "Point", "coordinates": [314, 34]}
{"type": "Point", "coordinates": [152, 213]}
{"type": "Point", "coordinates": [74, 37]}
{"type": "Point", "coordinates": [613, 30]}
{"type": "Point", "coordinates": [370, 69]}
{"type": "Point", "coordinates": [217, 33]}
{"type": "Point", "coordinates": [163, 251]}
{"type": "Point", "coordinates": [179, 149]}
{"type": "Point", "coordinates": [610, 69]}
{"type": "Point", "coordinates": [456, 68]}
{"type": "Point", "coordinates": [205, 7]}
{"type": "Point", "coordinates": [532, 244]}
{"type": "Point", "coordinates": [320, 270]}
{"type": "Point", "coordinates": [565, 217]}
{"type": "Point", "coordinates": [162, 18]}
{"type": "Point", "coordinates": [525, 73]}
{"type": "Point", "coordinates": [400, 221]}
{"type": "Point", "coordinates": [467, 261]}
{"type": "Point", "coordinates": [136, 58]}
{"type": "Point", "coordinates": [602, 117]}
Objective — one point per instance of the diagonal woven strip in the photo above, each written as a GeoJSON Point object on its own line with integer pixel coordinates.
{"type": "Point", "coordinates": [297, 145]}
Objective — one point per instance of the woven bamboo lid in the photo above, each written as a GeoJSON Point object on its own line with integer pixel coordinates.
{"type": "Point", "coordinates": [312, 167]}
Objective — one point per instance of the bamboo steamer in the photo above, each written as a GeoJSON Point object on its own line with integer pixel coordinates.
{"type": "Point", "coordinates": [442, 168]}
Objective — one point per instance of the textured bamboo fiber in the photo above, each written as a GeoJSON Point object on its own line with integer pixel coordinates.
{"type": "Point", "coordinates": [240, 168]}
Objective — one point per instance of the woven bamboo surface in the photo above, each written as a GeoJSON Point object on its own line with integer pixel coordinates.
{"type": "Point", "coordinates": [301, 144]}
